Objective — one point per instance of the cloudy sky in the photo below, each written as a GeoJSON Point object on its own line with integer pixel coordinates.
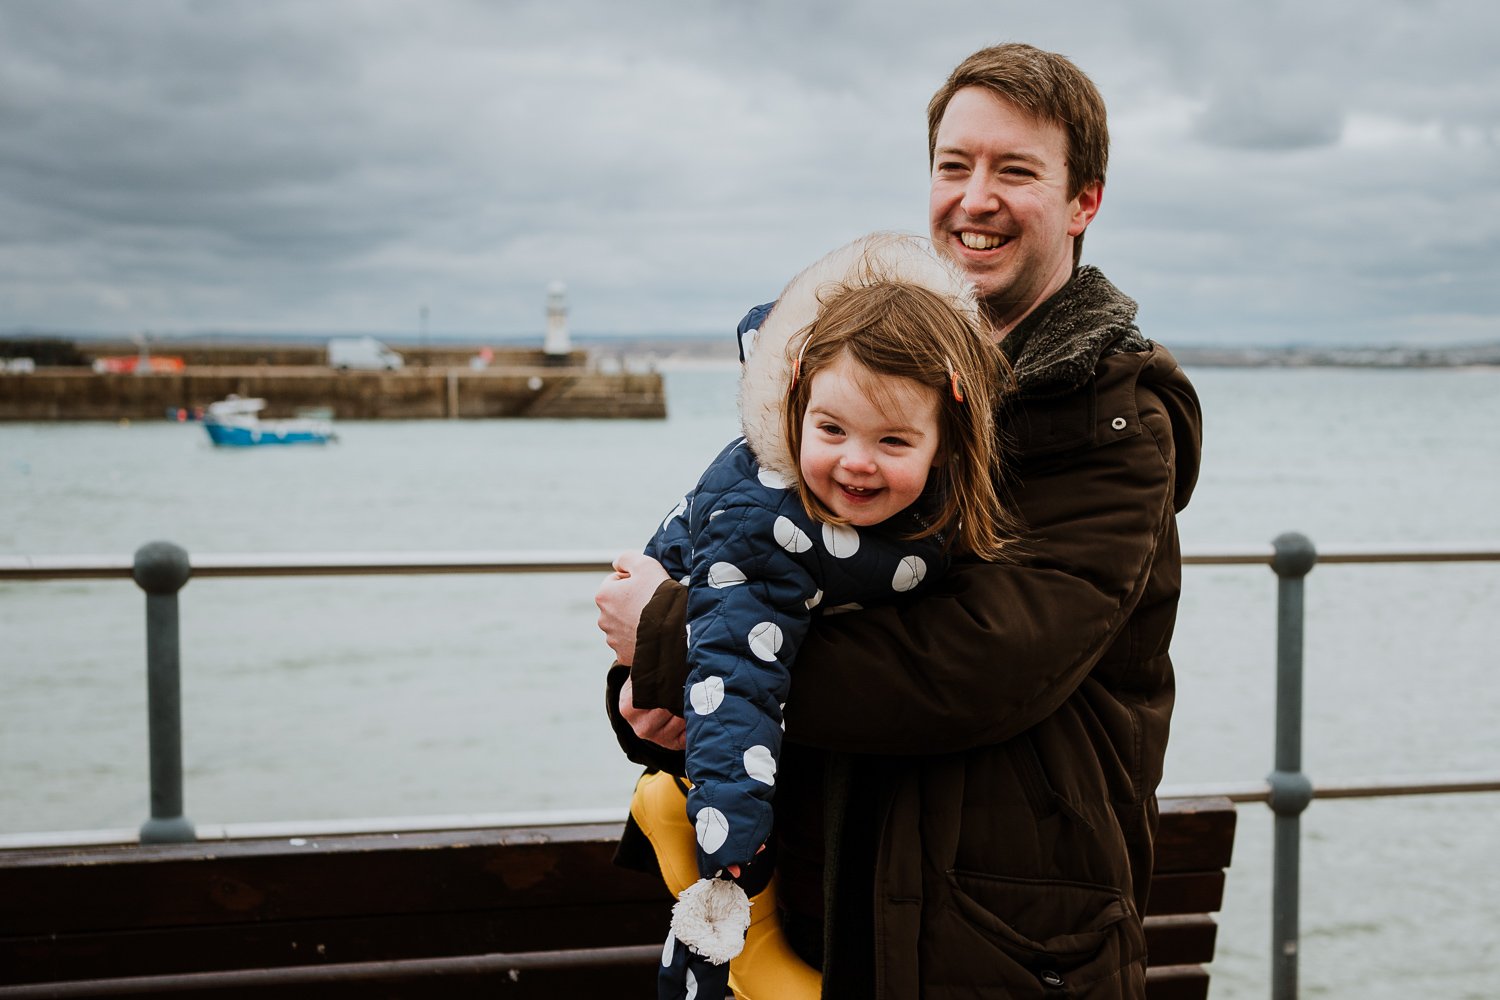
{"type": "Point", "coordinates": [1281, 171]}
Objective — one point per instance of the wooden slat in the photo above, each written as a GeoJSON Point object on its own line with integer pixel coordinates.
{"type": "Point", "coordinates": [1195, 835]}
{"type": "Point", "coordinates": [269, 944]}
{"type": "Point", "coordinates": [1181, 940]}
{"type": "Point", "coordinates": [1176, 982]}
{"type": "Point", "coordinates": [454, 870]}
{"type": "Point", "coordinates": [636, 978]}
{"type": "Point", "coordinates": [232, 882]}
{"type": "Point", "coordinates": [1198, 892]}
{"type": "Point", "coordinates": [621, 971]}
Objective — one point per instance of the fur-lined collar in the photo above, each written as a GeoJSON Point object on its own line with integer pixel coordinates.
{"type": "Point", "coordinates": [1058, 346]}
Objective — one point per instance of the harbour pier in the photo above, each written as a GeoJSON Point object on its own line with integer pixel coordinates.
{"type": "Point", "coordinates": [434, 384]}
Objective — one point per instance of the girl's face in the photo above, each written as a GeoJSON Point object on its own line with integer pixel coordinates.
{"type": "Point", "coordinates": [867, 459]}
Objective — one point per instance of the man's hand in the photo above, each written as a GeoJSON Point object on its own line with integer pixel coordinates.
{"type": "Point", "coordinates": [656, 725]}
{"type": "Point", "coordinates": [621, 599]}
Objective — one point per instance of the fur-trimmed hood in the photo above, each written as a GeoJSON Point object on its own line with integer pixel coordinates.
{"type": "Point", "coordinates": [769, 352]}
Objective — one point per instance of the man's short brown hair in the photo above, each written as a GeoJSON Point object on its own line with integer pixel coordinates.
{"type": "Point", "coordinates": [1045, 85]}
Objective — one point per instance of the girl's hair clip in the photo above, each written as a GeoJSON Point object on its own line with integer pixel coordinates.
{"type": "Point", "coordinates": [953, 383]}
{"type": "Point", "coordinates": [797, 367]}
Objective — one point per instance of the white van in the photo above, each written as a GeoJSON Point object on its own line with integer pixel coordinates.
{"type": "Point", "coordinates": [364, 353]}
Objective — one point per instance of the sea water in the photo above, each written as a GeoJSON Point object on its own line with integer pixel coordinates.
{"type": "Point", "coordinates": [330, 698]}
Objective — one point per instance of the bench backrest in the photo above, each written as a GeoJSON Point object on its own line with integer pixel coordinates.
{"type": "Point", "coordinates": [541, 911]}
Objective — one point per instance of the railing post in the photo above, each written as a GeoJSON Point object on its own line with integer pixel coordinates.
{"type": "Point", "coordinates": [161, 569]}
{"type": "Point", "coordinates": [1291, 790]}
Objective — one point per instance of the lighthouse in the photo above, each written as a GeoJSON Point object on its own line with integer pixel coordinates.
{"type": "Point", "coordinates": [556, 346]}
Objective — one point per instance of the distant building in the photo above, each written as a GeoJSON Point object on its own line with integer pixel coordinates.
{"type": "Point", "coordinates": [556, 344]}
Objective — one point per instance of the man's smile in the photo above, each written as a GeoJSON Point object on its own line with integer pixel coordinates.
{"type": "Point", "coordinates": [982, 241]}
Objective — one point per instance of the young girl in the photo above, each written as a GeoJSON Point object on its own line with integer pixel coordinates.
{"type": "Point", "coordinates": [868, 460]}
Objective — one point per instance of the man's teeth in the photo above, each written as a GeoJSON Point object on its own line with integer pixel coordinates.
{"type": "Point", "coordinates": [976, 241]}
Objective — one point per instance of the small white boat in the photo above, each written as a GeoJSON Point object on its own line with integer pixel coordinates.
{"type": "Point", "coordinates": [235, 422]}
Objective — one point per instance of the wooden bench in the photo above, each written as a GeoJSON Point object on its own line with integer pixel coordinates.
{"type": "Point", "coordinates": [517, 912]}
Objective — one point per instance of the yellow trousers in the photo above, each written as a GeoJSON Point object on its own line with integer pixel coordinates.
{"type": "Point", "coordinates": [768, 968]}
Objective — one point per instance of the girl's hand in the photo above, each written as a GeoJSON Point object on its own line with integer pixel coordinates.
{"type": "Point", "coordinates": [734, 870]}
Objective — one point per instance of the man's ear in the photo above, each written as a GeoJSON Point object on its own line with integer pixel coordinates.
{"type": "Point", "coordinates": [1085, 207]}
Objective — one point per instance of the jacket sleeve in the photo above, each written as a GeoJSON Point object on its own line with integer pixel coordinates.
{"type": "Point", "coordinates": [672, 546]}
{"type": "Point", "coordinates": [747, 615]}
{"type": "Point", "coordinates": [1000, 646]}
{"type": "Point", "coordinates": [660, 663]}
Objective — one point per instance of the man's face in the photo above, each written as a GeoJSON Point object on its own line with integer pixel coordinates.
{"type": "Point", "coordinates": [1000, 203]}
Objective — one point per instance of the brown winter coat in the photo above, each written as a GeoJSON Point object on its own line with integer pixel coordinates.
{"type": "Point", "coordinates": [1007, 732]}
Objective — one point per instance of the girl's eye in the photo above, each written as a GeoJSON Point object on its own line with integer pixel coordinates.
{"type": "Point", "coordinates": [830, 429]}
{"type": "Point", "coordinates": [894, 442]}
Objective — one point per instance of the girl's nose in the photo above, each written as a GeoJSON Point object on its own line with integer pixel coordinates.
{"type": "Point", "coordinates": [858, 462]}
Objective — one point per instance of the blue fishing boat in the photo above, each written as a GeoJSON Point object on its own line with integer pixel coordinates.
{"type": "Point", "coordinates": [235, 422]}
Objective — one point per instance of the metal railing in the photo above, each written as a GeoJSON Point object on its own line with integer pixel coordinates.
{"type": "Point", "coordinates": [161, 569]}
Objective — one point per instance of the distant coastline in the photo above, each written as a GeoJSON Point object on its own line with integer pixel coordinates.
{"type": "Point", "coordinates": [694, 350]}
{"type": "Point", "coordinates": [1468, 356]}
{"type": "Point", "coordinates": [687, 351]}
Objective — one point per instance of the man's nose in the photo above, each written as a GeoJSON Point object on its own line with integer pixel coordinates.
{"type": "Point", "coordinates": [981, 197]}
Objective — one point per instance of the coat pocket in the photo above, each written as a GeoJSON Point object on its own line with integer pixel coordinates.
{"type": "Point", "coordinates": [1049, 937]}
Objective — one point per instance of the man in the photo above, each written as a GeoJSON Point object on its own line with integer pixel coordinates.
{"type": "Point", "coordinates": [972, 804]}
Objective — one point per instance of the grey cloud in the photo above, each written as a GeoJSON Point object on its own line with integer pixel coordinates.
{"type": "Point", "coordinates": [1319, 167]}
{"type": "Point", "coordinates": [1260, 115]}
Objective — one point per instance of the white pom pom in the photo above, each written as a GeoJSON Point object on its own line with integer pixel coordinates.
{"type": "Point", "coordinates": [711, 917]}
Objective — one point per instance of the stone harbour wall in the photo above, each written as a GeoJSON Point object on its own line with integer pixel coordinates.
{"type": "Point", "coordinates": [409, 394]}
